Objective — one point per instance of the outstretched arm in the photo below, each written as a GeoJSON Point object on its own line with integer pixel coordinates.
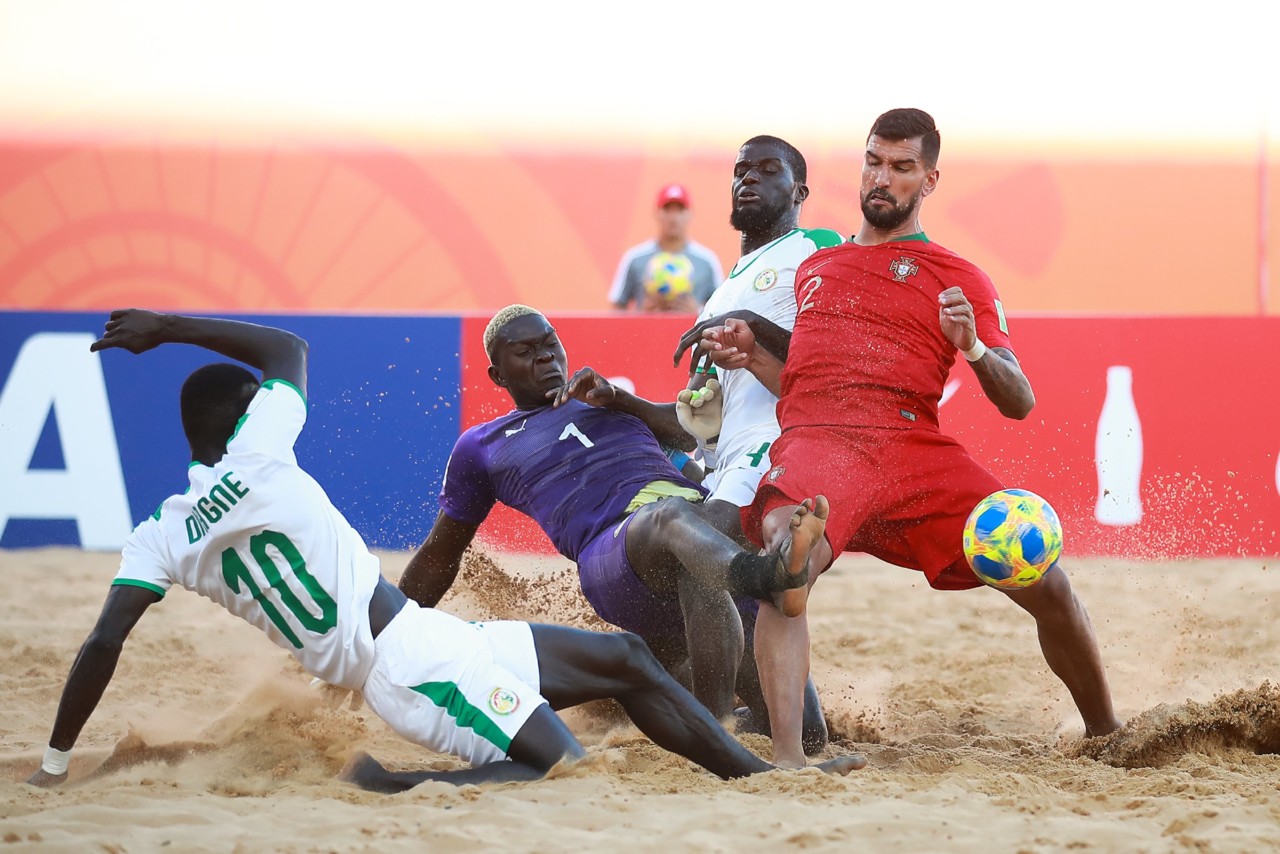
{"type": "Point", "coordinates": [278, 354]}
{"type": "Point", "coordinates": [591, 388]}
{"type": "Point", "coordinates": [432, 571]}
{"type": "Point", "coordinates": [734, 345]}
{"type": "Point", "coordinates": [768, 334]}
{"type": "Point", "coordinates": [997, 368]}
{"type": "Point", "coordinates": [92, 671]}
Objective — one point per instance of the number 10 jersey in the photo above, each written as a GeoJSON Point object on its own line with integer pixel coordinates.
{"type": "Point", "coordinates": [259, 536]}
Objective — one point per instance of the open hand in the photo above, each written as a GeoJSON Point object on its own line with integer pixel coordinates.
{"type": "Point", "coordinates": [134, 329]}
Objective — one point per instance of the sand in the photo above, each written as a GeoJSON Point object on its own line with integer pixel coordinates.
{"type": "Point", "coordinates": [210, 738]}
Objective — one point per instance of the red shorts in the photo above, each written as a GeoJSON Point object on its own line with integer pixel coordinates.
{"type": "Point", "coordinates": [900, 495]}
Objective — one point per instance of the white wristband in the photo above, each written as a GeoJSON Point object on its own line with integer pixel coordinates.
{"type": "Point", "coordinates": [55, 761]}
{"type": "Point", "coordinates": [976, 352]}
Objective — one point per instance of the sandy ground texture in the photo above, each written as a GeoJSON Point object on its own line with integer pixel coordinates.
{"type": "Point", "coordinates": [210, 738]}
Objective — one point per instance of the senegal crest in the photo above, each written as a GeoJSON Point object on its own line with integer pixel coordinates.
{"type": "Point", "coordinates": [503, 701]}
{"type": "Point", "coordinates": [903, 267]}
{"type": "Point", "coordinates": [766, 280]}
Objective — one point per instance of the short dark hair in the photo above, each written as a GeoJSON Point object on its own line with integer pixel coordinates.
{"type": "Point", "coordinates": [791, 154]}
{"type": "Point", "coordinates": [909, 123]}
{"type": "Point", "coordinates": [213, 400]}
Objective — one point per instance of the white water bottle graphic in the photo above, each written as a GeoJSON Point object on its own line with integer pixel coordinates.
{"type": "Point", "coordinates": [1118, 452]}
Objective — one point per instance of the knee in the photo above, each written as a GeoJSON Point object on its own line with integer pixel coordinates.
{"type": "Point", "coordinates": [670, 512]}
{"type": "Point", "coordinates": [1051, 599]}
{"type": "Point", "coordinates": [632, 660]}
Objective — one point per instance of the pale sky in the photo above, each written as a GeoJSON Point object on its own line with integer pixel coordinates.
{"type": "Point", "coordinates": [1087, 74]}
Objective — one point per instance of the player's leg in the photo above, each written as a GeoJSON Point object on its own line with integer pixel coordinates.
{"type": "Point", "coordinates": [670, 536]}
{"type": "Point", "coordinates": [725, 517]}
{"type": "Point", "coordinates": [669, 542]}
{"type": "Point", "coordinates": [682, 621]}
{"type": "Point", "coordinates": [462, 688]}
{"type": "Point", "coordinates": [714, 634]}
{"type": "Point", "coordinates": [934, 538]}
{"type": "Point", "coordinates": [782, 644]}
{"type": "Point", "coordinates": [577, 666]}
{"type": "Point", "coordinates": [1070, 647]}
{"type": "Point", "coordinates": [754, 718]}
{"type": "Point", "coordinates": [543, 741]}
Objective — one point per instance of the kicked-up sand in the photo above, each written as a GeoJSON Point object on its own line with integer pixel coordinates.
{"type": "Point", "coordinates": [211, 739]}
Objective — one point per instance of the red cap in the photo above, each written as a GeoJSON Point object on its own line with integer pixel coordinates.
{"type": "Point", "coordinates": [673, 193]}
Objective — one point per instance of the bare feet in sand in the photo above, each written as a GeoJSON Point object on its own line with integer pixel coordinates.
{"type": "Point", "coordinates": [843, 764]}
{"type": "Point", "coordinates": [808, 523]}
{"type": "Point", "coordinates": [369, 774]}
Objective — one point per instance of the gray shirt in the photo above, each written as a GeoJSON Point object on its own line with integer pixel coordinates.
{"type": "Point", "coordinates": [628, 282]}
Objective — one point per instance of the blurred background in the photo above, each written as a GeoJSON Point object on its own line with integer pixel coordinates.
{"type": "Point", "coordinates": [1112, 166]}
{"type": "Point", "coordinates": [394, 156]}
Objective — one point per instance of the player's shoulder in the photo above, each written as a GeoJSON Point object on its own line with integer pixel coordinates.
{"type": "Point", "coordinates": [825, 254]}
{"type": "Point", "coordinates": [149, 534]}
{"type": "Point", "coordinates": [955, 263]}
{"type": "Point", "coordinates": [274, 398]}
{"type": "Point", "coordinates": [822, 238]}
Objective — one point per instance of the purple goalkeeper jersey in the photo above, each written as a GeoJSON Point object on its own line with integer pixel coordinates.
{"type": "Point", "coordinates": [573, 470]}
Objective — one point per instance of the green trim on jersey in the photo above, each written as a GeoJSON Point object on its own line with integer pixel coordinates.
{"type": "Point", "coordinates": [156, 515]}
{"type": "Point", "coordinates": [758, 252]}
{"type": "Point", "coordinates": [133, 582]}
{"type": "Point", "coordinates": [239, 424]}
{"type": "Point", "coordinates": [278, 381]}
{"type": "Point", "coordinates": [268, 384]}
{"type": "Point", "coordinates": [823, 238]}
{"type": "Point", "coordinates": [447, 696]}
{"type": "Point", "coordinates": [919, 235]}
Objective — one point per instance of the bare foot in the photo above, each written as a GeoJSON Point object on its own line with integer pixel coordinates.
{"type": "Point", "coordinates": [808, 523]}
{"type": "Point", "coordinates": [367, 773]}
{"type": "Point", "coordinates": [843, 764]}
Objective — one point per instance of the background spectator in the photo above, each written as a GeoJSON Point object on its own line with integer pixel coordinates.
{"type": "Point", "coordinates": [671, 272]}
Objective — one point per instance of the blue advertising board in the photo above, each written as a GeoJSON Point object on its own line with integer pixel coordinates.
{"type": "Point", "coordinates": [91, 443]}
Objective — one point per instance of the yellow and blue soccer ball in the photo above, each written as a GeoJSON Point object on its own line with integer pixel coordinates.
{"type": "Point", "coordinates": [668, 276]}
{"type": "Point", "coordinates": [1012, 538]}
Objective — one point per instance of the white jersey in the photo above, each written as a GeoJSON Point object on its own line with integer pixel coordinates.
{"type": "Point", "coordinates": [762, 281]}
{"type": "Point", "coordinates": [258, 535]}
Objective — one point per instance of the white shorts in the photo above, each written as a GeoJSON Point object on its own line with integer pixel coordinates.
{"type": "Point", "coordinates": [453, 686]}
{"type": "Point", "coordinates": [737, 480]}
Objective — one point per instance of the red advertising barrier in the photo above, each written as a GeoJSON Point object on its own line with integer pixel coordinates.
{"type": "Point", "coordinates": [1199, 439]}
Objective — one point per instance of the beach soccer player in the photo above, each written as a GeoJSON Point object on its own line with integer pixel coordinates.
{"type": "Point", "coordinates": [598, 483]}
{"type": "Point", "coordinates": [257, 535]}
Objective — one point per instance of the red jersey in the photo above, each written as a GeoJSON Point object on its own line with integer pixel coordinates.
{"type": "Point", "coordinates": [868, 348]}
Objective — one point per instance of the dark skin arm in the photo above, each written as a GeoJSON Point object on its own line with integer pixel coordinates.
{"type": "Point", "coordinates": [769, 335]}
{"type": "Point", "coordinates": [93, 668]}
{"type": "Point", "coordinates": [276, 353]}
{"type": "Point", "coordinates": [433, 569]}
{"type": "Point", "coordinates": [589, 387]}
{"type": "Point", "coordinates": [733, 345]}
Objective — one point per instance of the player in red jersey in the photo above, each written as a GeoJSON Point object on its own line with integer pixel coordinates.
{"type": "Point", "coordinates": [881, 321]}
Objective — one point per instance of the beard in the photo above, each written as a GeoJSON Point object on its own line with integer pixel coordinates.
{"type": "Point", "coordinates": [894, 216]}
{"type": "Point", "coordinates": [758, 217]}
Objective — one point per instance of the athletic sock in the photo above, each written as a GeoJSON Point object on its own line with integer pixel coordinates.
{"type": "Point", "coordinates": [760, 576]}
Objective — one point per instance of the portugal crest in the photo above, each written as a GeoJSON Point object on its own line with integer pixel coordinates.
{"type": "Point", "coordinates": [903, 267]}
